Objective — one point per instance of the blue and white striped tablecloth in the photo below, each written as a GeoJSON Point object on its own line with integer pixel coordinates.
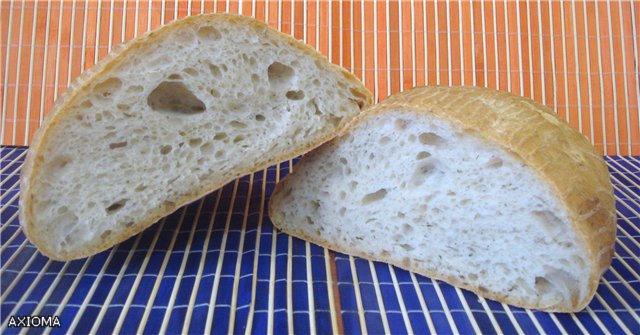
{"type": "Point", "coordinates": [218, 266]}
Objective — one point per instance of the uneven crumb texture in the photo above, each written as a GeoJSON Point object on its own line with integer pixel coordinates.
{"type": "Point", "coordinates": [187, 109]}
{"type": "Point", "coordinates": [420, 193]}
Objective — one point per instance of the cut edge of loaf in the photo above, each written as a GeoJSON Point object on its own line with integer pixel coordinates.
{"type": "Point", "coordinates": [499, 117]}
{"type": "Point", "coordinates": [34, 159]}
{"type": "Point", "coordinates": [593, 221]}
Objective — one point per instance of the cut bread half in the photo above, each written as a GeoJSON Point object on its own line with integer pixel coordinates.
{"type": "Point", "coordinates": [169, 117]}
{"type": "Point", "coordinates": [479, 188]}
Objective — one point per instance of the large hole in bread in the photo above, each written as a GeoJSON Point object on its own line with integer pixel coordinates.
{"type": "Point", "coordinates": [401, 124]}
{"type": "Point", "coordinates": [220, 136]}
{"type": "Point", "coordinates": [544, 288]}
{"type": "Point", "coordinates": [209, 33]}
{"type": "Point", "coordinates": [117, 145]}
{"type": "Point", "coordinates": [295, 95]}
{"type": "Point", "coordinates": [165, 149]}
{"type": "Point", "coordinates": [105, 234]}
{"type": "Point", "coordinates": [174, 97]}
{"type": "Point", "coordinates": [422, 171]}
{"type": "Point", "coordinates": [114, 207]}
{"type": "Point", "coordinates": [214, 93]}
{"type": "Point", "coordinates": [215, 70]}
{"type": "Point", "coordinates": [375, 196]}
{"type": "Point", "coordinates": [195, 142]}
{"type": "Point", "coordinates": [238, 124]}
{"type": "Point", "coordinates": [108, 87]}
{"type": "Point", "coordinates": [316, 109]}
{"type": "Point", "coordinates": [59, 162]}
{"type": "Point", "coordinates": [361, 97]}
{"type": "Point", "coordinates": [422, 155]}
{"type": "Point", "coordinates": [280, 75]}
{"type": "Point", "coordinates": [334, 120]}
{"type": "Point", "coordinates": [429, 138]}
{"type": "Point", "coordinates": [494, 163]}
{"type": "Point", "coordinates": [190, 71]}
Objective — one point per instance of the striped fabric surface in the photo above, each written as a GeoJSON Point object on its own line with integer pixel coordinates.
{"type": "Point", "coordinates": [581, 59]}
{"type": "Point", "coordinates": [218, 266]}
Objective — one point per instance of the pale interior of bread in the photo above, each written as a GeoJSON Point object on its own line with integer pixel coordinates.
{"type": "Point", "coordinates": [190, 110]}
{"type": "Point", "coordinates": [416, 191]}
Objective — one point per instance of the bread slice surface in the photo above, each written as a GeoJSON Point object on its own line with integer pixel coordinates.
{"type": "Point", "coordinates": [170, 116]}
{"type": "Point", "coordinates": [483, 189]}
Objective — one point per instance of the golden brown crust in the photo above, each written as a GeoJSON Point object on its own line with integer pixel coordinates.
{"type": "Point", "coordinates": [34, 158]}
{"type": "Point", "coordinates": [532, 133]}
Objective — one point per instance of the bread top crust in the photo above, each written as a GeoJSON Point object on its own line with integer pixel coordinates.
{"type": "Point", "coordinates": [33, 162]}
{"type": "Point", "coordinates": [531, 132]}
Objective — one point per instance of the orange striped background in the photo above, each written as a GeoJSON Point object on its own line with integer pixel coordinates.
{"type": "Point", "coordinates": [580, 58]}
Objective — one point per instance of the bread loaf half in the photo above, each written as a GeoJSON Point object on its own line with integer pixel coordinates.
{"type": "Point", "coordinates": [479, 188]}
{"type": "Point", "coordinates": [169, 117]}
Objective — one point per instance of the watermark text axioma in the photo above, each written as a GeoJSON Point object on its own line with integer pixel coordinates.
{"type": "Point", "coordinates": [34, 321]}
